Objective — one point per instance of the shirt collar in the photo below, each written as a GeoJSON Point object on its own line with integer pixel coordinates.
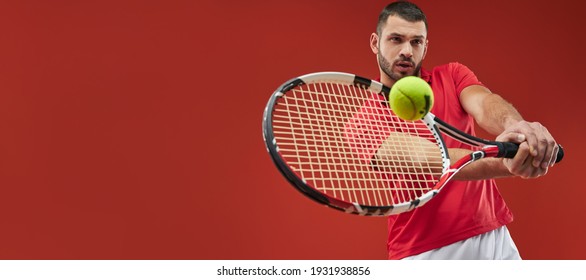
{"type": "Point", "coordinates": [425, 75]}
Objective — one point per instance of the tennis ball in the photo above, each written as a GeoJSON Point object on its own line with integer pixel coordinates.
{"type": "Point", "coordinates": [411, 98]}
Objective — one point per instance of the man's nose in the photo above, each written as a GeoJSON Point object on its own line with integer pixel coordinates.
{"type": "Point", "coordinates": [407, 51]}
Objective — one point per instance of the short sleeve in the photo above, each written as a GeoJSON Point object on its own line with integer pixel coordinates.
{"type": "Point", "coordinates": [463, 77]}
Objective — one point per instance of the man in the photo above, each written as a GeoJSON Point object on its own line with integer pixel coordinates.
{"type": "Point", "coordinates": [467, 220]}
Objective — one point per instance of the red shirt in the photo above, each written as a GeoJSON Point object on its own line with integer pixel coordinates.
{"type": "Point", "coordinates": [463, 208]}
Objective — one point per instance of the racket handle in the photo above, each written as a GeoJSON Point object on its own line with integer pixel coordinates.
{"type": "Point", "coordinates": [509, 150]}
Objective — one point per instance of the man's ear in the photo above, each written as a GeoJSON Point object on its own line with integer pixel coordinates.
{"type": "Point", "coordinates": [374, 43]}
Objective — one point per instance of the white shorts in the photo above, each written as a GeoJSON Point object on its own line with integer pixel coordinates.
{"type": "Point", "coordinates": [493, 245]}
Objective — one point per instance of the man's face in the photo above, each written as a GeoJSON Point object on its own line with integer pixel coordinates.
{"type": "Point", "coordinates": [400, 48]}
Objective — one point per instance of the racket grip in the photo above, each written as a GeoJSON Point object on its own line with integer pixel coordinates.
{"type": "Point", "coordinates": [509, 150]}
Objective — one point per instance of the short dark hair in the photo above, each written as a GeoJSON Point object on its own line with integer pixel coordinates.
{"type": "Point", "coordinates": [404, 9]}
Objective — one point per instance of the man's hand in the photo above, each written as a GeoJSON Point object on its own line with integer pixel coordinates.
{"type": "Point", "coordinates": [537, 150]}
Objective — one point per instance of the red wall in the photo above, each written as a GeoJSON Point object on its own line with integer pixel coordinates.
{"type": "Point", "coordinates": [132, 129]}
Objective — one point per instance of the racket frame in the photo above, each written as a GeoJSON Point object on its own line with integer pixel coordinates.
{"type": "Point", "coordinates": [302, 185]}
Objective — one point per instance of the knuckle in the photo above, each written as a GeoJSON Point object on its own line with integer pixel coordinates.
{"type": "Point", "coordinates": [551, 142]}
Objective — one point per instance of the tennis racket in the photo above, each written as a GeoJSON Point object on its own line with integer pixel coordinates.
{"type": "Point", "coordinates": [335, 139]}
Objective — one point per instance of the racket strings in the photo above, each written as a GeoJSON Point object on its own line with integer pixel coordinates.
{"type": "Point", "coordinates": [328, 134]}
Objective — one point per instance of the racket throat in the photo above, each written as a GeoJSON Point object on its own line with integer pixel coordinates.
{"type": "Point", "coordinates": [477, 155]}
{"type": "Point", "coordinates": [474, 156]}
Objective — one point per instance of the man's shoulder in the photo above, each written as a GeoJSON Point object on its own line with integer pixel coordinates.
{"type": "Point", "coordinates": [450, 66]}
{"type": "Point", "coordinates": [451, 69]}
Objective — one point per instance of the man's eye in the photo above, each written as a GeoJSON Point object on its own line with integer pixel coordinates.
{"type": "Point", "coordinates": [395, 39]}
{"type": "Point", "coordinates": [417, 42]}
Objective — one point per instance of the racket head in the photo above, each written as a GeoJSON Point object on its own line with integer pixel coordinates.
{"type": "Point", "coordinates": [306, 127]}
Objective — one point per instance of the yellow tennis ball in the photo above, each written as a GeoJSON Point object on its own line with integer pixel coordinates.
{"type": "Point", "coordinates": [411, 98]}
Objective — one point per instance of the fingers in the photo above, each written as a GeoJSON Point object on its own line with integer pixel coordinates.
{"type": "Point", "coordinates": [512, 136]}
{"type": "Point", "coordinates": [517, 165]}
{"type": "Point", "coordinates": [541, 144]}
{"type": "Point", "coordinates": [522, 164]}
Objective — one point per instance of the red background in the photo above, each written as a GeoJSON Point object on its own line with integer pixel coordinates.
{"type": "Point", "coordinates": [132, 129]}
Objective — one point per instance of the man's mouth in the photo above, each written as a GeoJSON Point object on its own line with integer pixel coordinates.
{"type": "Point", "coordinates": [404, 66]}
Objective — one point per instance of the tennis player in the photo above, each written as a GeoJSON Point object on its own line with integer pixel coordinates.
{"type": "Point", "coordinates": [468, 219]}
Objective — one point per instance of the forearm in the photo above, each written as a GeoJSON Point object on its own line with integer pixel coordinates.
{"type": "Point", "coordinates": [490, 110]}
{"type": "Point", "coordinates": [391, 160]}
{"type": "Point", "coordinates": [497, 114]}
{"type": "Point", "coordinates": [410, 156]}
{"type": "Point", "coordinates": [499, 117]}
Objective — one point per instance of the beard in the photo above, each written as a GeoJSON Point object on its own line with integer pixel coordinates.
{"type": "Point", "coordinates": [387, 68]}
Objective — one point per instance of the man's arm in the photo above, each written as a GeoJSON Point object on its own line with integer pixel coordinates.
{"type": "Point", "coordinates": [490, 110]}
{"type": "Point", "coordinates": [423, 154]}
{"type": "Point", "coordinates": [538, 149]}
{"type": "Point", "coordinates": [388, 157]}
{"type": "Point", "coordinates": [498, 117]}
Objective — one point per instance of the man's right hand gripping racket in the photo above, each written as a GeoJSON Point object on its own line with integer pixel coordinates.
{"type": "Point", "coordinates": [335, 138]}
